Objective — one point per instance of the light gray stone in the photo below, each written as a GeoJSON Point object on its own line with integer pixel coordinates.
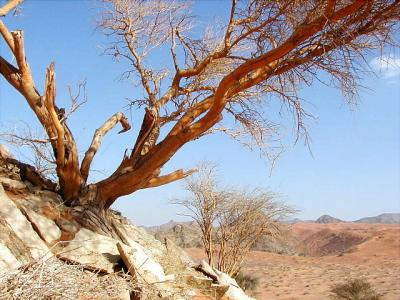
{"type": "Point", "coordinates": [21, 227]}
{"type": "Point", "coordinates": [234, 292]}
{"type": "Point", "coordinates": [140, 264]}
{"type": "Point", "coordinates": [95, 251]}
{"type": "Point", "coordinates": [12, 184]}
{"type": "Point", "coordinates": [132, 235]}
{"type": "Point", "coordinates": [46, 228]}
{"type": "Point", "coordinates": [67, 225]}
{"type": "Point", "coordinates": [4, 152]}
{"type": "Point", "coordinates": [231, 289]}
{"type": "Point", "coordinates": [7, 260]}
{"type": "Point", "coordinates": [125, 295]}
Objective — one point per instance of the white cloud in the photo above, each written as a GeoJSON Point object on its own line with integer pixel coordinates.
{"type": "Point", "coordinates": [388, 66]}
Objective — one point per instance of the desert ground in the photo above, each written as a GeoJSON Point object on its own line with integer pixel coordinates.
{"type": "Point", "coordinates": [331, 253]}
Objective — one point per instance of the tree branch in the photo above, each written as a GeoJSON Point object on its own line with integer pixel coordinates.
{"type": "Point", "coordinates": [96, 141]}
{"type": "Point", "coordinates": [49, 99]}
{"type": "Point", "coordinates": [7, 36]}
{"type": "Point", "coordinates": [300, 34]}
{"type": "Point", "coordinates": [11, 74]}
{"type": "Point", "coordinates": [10, 5]}
{"type": "Point", "coordinates": [165, 179]}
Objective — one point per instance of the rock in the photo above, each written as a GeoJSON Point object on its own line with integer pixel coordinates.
{"type": "Point", "coordinates": [49, 211]}
{"type": "Point", "coordinates": [21, 227]}
{"type": "Point", "coordinates": [7, 260]}
{"type": "Point", "coordinates": [227, 286]}
{"type": "Point", "coordinates": [125, 295]}
{"type": "Point", "coordinates": [94, 251]}
{"type": "Point", "coordinates": [4, 152]}
{"type": "Point", "coordinates": [140, 265]}
{"type": "Point", "coordinates": [132, 236]}
{"type": "Point", "coordinates": [234, 292]}
{"type": "Point", "coordinates": [46, 228]}
{"type": "Point", "coordinates": [11, 184]}
{"type": "Point", "coordinates": [207, 270]}
{"type": "Point", "coordinates": [66, 225]}
{"type": "Point", "coordinates": [326, 219]}
{"type": "Point", "coordinates": [179, 252]}
{"type": "Point", "coordinates": [201, 283]}
{"type": "Point", "coordinates": [15, 245]}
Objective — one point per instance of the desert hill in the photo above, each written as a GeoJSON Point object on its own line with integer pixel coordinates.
{"type": "Point", "coordinates": [325, 219]}
{"type": "Point", "coordinates": [381, 219]}
{"type": "Point", "coordinates": [307, 238]}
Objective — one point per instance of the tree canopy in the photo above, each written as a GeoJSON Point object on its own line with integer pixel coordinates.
{"type": "Point", "coordinates": [265, 49]}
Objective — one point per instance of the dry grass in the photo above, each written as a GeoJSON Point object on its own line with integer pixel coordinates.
{"type": "Point", "coordinates": [247, 282]}
{"type": "Point", "coordinates": [54, 279]}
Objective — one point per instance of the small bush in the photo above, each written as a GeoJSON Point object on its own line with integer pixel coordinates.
{"type": "Point", "coordinates": [247, 282]}
{"type": "Point", "coordinates": [355, 289]}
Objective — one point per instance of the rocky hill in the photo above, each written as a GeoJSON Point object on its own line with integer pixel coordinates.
{"type": "Point", "coordinates": [326, 219]}
{"type": "Point", "coordinates": [381, 219]}
{"type": "Point", "coordinates": [305, 238]}
{"type": "Point", "coordinates": [188, 235]}
{"type": "Point", "coordinates": [386, 218]}
{"type": "Point", "coordinates": [50, 251]}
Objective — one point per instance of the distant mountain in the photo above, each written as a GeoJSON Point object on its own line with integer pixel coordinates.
{"type": "Point", "coordinates": [188, 235]}
{"type": "Point", "coordinates": [387, 218]}
{"type": "Point", "coordinates": [292, 221]}
{"type": "Point", "coordinates": [326, 219]}
{"type": "Point", "coordinates": [301, 238]}
{"type": "Point", "coordinates": [167, 226]}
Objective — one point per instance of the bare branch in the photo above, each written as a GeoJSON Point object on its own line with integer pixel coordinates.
{"type": "Point", "coordinates": [41, 153]}
{"type": "Point", "coordinates": [165, 179]}
{"type": "Point", "coordinates": [7, 36]}
{"type": "Point", "coordinates": [96, 141]}
{"type": "Point", "coordinates": [49, 102]}
{"type": "Point", "coordinates": [9, 6]}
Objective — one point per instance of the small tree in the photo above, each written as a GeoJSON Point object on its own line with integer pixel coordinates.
{"type": "Point", "coordinates": [266, 49]}
{"type": "Point", "coordinates": [230, 221]}
{"type": "Point", "coordinates": [204, 205]}
{"type": "Point", "coordinates": [242, 220]}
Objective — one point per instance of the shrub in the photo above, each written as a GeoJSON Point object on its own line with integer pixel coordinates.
{"type": "Point", "coordinates": [247, 282]}
{"type": "Point", "coordinates": [354, 289]}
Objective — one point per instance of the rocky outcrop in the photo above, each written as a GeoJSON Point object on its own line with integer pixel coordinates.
{"type": "Point", "coordinates": [388, 218]}
{"type": "Point", "coordinates": [141, 265]}
{"type": "Point", "coordinates": [21, 227]}
{"type": "Point", "coordinates": [35, 226]}
{"type": "Point", "coordinates": [92, 250]}
{"type": "Point", "coordinates": [326, 219]}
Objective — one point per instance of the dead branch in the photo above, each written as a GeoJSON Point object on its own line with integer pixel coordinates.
{"type": "Point", "coordinates": [9, 6]}
{"type": "Point", "coordinates": [165, 179]}
{"type": "Point", "coordinates": [96, 141]}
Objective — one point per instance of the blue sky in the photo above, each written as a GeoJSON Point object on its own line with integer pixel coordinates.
{"type": "Point", "coordinates": [354, 169]}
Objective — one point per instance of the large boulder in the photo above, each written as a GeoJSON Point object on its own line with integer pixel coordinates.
{"type": "Point", "coordinates": [233, 290]}
{"type": "Point", "coordinates": [21, 227]}
{"type": "Point", "coordinates": [140, 265]}
{"type": "Point", "coordinates": [92, 250]}
{"type": "Point", "coordinates": [45, 227]}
